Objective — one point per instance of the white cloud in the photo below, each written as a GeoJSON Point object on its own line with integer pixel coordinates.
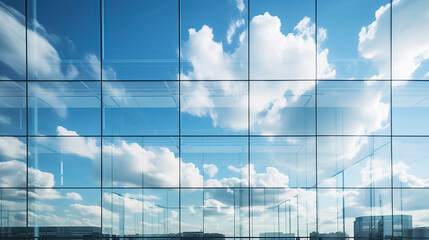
{"type": "Point", "coordinates": [210, 169]}
{"type": "Point", "coordinates": [232, 28]}
{"type": "Point", "coordinates": [240, 5]}
{"type": "Point", "coordinates": [83, 147]}
{"type": "Point", "coordinates": [409, 180]}
{"type": "Point", "coordinates": [50, 97]}
{"type": "Point", "coordinates": [410, 39]}
{"type": "Point", "coordinates": [73, 196]}
{"type": "Point", "coordinates": [12, 147]}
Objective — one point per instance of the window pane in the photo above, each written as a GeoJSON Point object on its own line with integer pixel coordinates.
{"type": "Point", "coordinates": [12, 108]}
{"type": "Point", "coordinates": [64, 162]}
{"type": "Point", "coordinates": [353, 107]}
{"type": "Point", "coordinates": [356, 33]}
{"type": "Point", "coordinates": [283, 162]}
{"type": "Point", "coordinates": [64, 108]}
{"type": "Point", "coordinates": [359, 213]}
{"type": "Point", "coordinates": [64, 213]}
{"type": "Point", "coordinates": [214, 162]}
{"type": "Point", "coordinates": [411, 213]}
{"type": "Point", "coordinates": [213, 47]}
{"type": "Point", "coordinates": [140, 162]}
{"type": "Point", "coordinates": [140, 108]}
{"type": "Point", "coordinates": [282, 39]}
{"type": "Point", "coordinates": [410, 44]}
{"type": "Point", "coordinates": [214, 107]}
{"type": "Point", "coordinates": [13, 163]}
{"type": "Point", "coordinates": [215, 213]}
{"type": "Point", "coordinates": [353, 161]}
{"type": "Point", "coordinates": [12, 40]}
{"type": "Point", "coordinates": [282, 108]}
{"type": "Point", "coordinates": [410, 108]}
{"type": "Point", "coordinates": [283, 212]}
{"type": "Point", "coordinates": [410, 162]}
{"type": "Point", "coordinates": [141, 39]}
{"type": "Point", "coordinates": [140, 212]}
{"type": "Point", "coordinates": [13, 213]}
{"type": "Point", "coordinates": [63, 39]}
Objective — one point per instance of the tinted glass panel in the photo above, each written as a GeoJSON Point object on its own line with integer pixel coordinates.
{"type": "Point", "coordinates": [12, 108]}
{"type": "Point", "coordinates": [64, 108]}
{"type": "Point", "coordinates": [141, 39]}
{"type": "Point", "coordinates": [13, 163]}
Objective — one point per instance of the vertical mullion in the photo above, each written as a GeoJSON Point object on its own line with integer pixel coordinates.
{"type": "Point", "coordinates": [180, 130]}
{"type": "Point", "coordinates": [248, 119]}
{"type": "Point", "coordinates": [391, 121]}
{"type": "Point", "coordinates": [315, 117]}
{"type": "Point", "coordinates": [26, 114]}
{"type": "Point", "coordinates": [101, 115]}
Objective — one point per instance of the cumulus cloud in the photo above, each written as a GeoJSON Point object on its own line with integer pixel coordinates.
{"type": "Point", "coordinates": [232, 29]}
{"type": "Point", "coordinates": [83, 147]}
{"type": "Point", "coordinates": [410, 39]}
{"type": "Point", "coordinates": [240, 5]}
{"type": "Point", "coordinates": [12, 147]}
{"type": "Point", "coordinates": [210, 170]}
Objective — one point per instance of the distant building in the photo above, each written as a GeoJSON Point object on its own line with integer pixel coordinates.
{"type": "Point", "coordinates": [418, 233]}
{"type": "Point", "coordinates": [276, 236]}
{"type": "Point", "coordinates": [328, 236]}
{"type": "Point", "coordinates": [59, 232]}
{"type": "Point", "coordinates": [379, 227]}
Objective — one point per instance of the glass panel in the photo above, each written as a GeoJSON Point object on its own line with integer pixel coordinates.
{"type": "Point", "coordinates": [283, 162]}
{"type": "Point", "coordinates": [13, 164]}
{"type": "Point", "coordinates": [141, 39]}
{"type": "Point", "coordinates": [410, 45]}
{"type": "Point", "coordinates": [411, 211]}
{"type": "Point", "coordinates": [64, 108]}
{"type": "Point", "coordinates": [215, 213]}
{"type": "Point", "coordinates": [282, 108]}
{"type": "Point", "coordinates": [282, 39]}
{"type": "Point", "coordinates": [64, 162]}
{"type": "Point", "coordinates": [12, 41]}
{"type": "Point", "coordinates": [359, 213]}
{"type": "Point", "coordinates": [214, 107]}
{"type": "Point", "coordinates": [140, 162]}
{"type": "Point", "coordinates": [353, 107]}
{"type": "Point", "coordinates": [64, 43]}
{"type": "Point", "coordinates": [140, 108]}
{"type": "Point", "coordinates": [64, 213]}
{"type": "Point", "coordinates": [12, 108]}
{"type": "Point", "coordinates": [140, 212]}
{"type": "Point", "coordinates": [410, 162]}
{"type": "Point", "coordinates": [284, 213]}
{"type": "Point", "coordinates": [213, 47]}
{"type": "Point", "coordinates": [356, 33]}
{"type": "Point", "coordinates": [354, 161]}
{"type": "Point", "coordinates": [410, 108]}
{"type": "Point", "coordinates": [13, 213]}
{"type": "Point", "coordinates": [214, 162]}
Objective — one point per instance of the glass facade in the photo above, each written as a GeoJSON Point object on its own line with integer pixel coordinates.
{"type": "Point", "coordinates": [214, 119]}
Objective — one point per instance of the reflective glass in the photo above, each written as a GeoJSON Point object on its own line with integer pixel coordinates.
{"type": "Point", "coordinates": [140, 108]}
{"type": "Point", "coordinates": [216, 213]}
{"type": "Point", "coordinates": [12, 40]}
{"type": "Point", "coordinates": [63, 40]}
{"type": "Point", "coordinates": [213, 47]}
{"type": "Point", "coordinates": [353, 39]}
{"type": "Point", "coordinates": [410, 162]}
{"type": "Point", "coordinates": [410, 43]}
{"type": "Point", "coordinates": [214, 162]}
{"type": "Point", "coordinates": [283, 213]}
{"type": "Point", "coordinates": [12, 108]}
{"type": "Point", "coordinates": [140, 162]}
{"type": "Point", "coordinates": [411, 211]}
{"type": "Point", "coordinates": [214, 107]}
{"type": "Point", "coordinates": [13, 213]}
{"type": "Point", "coordinates": [283, 161]}
{"type": "Point", "coordinates": [13, 163]}
{"type": "Point", "coordinates": [64, 209]}
{"type": "Point", "coordinates": [64, 108]}
{"type": "Point", "coordinates": [282, 39]}
{"type": "Point", "coordinates": [410, 113]}
{"type": "Point", "coordinates": [354, 161]}
{"type": "Point", "coordinates": [140, 212]}
{"type": "Point", "coordinates": [353, 107]}
{"type": "Point", "coordinates": [64, 162]}
{"type": "Point", "coordinates": [359, 213]}
{"type": "Point", "coordinates": [278, 108]}
{"type": "Point", "coordinates": [140, 39]}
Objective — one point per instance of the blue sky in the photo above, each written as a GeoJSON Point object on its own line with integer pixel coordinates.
{"type": "Point", "coordinates": [141, 41]}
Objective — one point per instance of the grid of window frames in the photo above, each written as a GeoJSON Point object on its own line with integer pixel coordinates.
{"type": "Point", "coordinates": [214, 119]}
